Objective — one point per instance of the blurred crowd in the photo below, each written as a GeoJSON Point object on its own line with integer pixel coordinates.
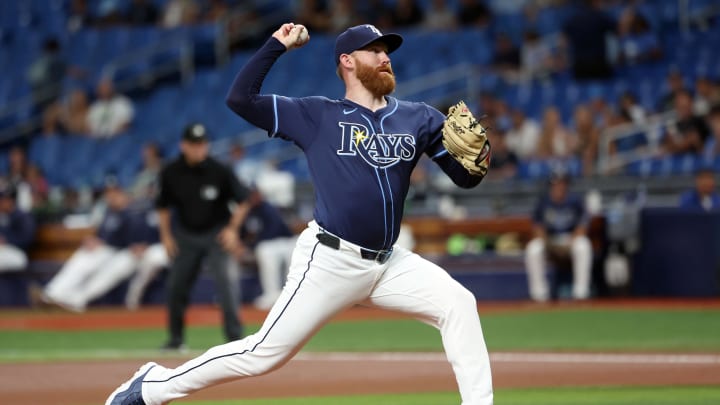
{"type": "Point", "coordinates": [579, 49]}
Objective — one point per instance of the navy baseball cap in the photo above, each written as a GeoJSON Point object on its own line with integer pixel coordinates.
{"type": "Point", "coordinates": [360, 36]}
{"type": "Point", "coordinates": [195, 133]}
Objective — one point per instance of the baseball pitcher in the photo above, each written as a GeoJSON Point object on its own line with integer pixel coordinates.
{"type": "Point", "coordinates": [361, 150]}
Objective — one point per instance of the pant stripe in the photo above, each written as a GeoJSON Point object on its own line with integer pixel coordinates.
{"type": "Point", "coordinates": [312, 255]}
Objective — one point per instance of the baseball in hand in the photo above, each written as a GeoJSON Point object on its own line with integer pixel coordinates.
{"type": "Point", "coordinates": [303, 36]}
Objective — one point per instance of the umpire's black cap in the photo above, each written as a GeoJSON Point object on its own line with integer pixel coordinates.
{"type": "Point", "coordinates": [360, 36]}
{"type": "Point", "coordinates": [195, 133]}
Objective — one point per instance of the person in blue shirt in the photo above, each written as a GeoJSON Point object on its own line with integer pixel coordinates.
{"type": "Point", "coordinates": [560, 229]}
{"type": "Point", "coordinates": [704, 196]}
{"type": "Point", "coordinates": [361, 150]}
{"type": "Point", "coordinates": [17, 231]}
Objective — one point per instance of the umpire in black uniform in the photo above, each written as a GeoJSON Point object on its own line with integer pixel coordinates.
{"type": "Point", "coordinates": [198, 191]}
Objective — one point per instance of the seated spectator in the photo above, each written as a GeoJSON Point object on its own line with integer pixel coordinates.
{"type": "Point", "coordinates": [588, 137]}
{"type": "Point", "coordinates": [145, 186]}
{"type": "Point", "coordinates": [537, 58]}
{"type": "Point", "coordinates": [560, 232]}
{"type": "Point", "coordinates": [342, 14]}
{"type": "Point", "coordinates": [439, 16]}
{"type": "Point", "coordinates": [269, 237]}
{"type": "Point", "coordinates": [111, 113]}
{"type": "Point", "coordinates": [503, 164]}
{"type": "Point", "coordinates": [630, 110]}
{"type": "Point", "coordinates": [407, 13]}
{"type": "Point", "coordinates": [99, 264]}
{"type": "Point", "coordinates": [141, 12]}
{"type": "Point", "coordinates": [711, 149]}
{"type": "Point", "coordinates": [523, 136]}
{"type": "Point", "coordinates": [39, 187]}
{"type": "Point", "coordinates": [180, 12]}
{"type": "Point", "coordinates": [46, 75]}
{"type": "Point", "coordinates": [707, 94]}
{"type": "Point", "coordinates": [555, 140]}
{"type": "Point", "coordinates": [704, 196]}
{"type": "Point", "coordinates": [16, 178]}
{"type": "Point", "coordinates": [690, 131]}
{"type": "Point", "coordinates": [69, 116]}
{"type": "Point", "coordinates": [79, 16]}
{"type": "Point", "coordinates": [637, 42]}
{"type": "Point", "coordinates": [674, 83]}
{"type": "Point", "coordinates": [17, 231]}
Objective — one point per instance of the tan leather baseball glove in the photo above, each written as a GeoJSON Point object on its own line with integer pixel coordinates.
{"type": "Point", "coordinates": [466, 141]}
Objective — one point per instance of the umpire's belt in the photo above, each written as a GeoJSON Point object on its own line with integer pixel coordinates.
{"type": "Point", "coordinates": [332, 241]}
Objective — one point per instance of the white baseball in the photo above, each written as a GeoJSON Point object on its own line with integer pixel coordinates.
{"type": "Point", "coordinates": [302, 36]}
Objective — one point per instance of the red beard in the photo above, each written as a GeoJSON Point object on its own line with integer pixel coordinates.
{"type": "Point", "coordinates": [377, 82]}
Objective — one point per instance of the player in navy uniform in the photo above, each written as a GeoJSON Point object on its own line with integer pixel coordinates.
{"type": "Point", "coordinates": [560, 227]}
{"type": "Point", "coordinates": [17, 232]}
{"type": "Point", "coordinates": [149, 253]}
{"type": "Point", "coordinates": [361, 150]}
{"type": "Point", "coordinates": [271, 240]}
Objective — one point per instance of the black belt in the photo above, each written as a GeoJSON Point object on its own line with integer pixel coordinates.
{"type": "Point", "coordinates": [332, 241]}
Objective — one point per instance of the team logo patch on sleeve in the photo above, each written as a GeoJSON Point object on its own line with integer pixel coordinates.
{"type": "Point", "coordinates": [378, 150]}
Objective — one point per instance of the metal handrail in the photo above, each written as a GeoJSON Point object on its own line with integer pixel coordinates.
{"type": "Point", "coordinates": [652, 129]}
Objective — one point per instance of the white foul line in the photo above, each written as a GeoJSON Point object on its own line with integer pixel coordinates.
{"type": "Point", "coordinates": [520, 357]}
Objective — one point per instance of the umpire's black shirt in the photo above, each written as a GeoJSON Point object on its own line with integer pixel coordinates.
{"type": "Point", "coordinates": [199, 195]}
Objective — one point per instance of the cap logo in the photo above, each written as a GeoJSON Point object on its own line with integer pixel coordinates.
{"type": "Point", "coordinates": [373, 29]}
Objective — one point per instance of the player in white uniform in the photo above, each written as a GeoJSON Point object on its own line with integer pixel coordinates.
{"type": "Point", "coordinates": [361, 151]}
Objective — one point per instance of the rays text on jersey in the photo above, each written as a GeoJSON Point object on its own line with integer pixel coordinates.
{"type": "Point", "coordinates": [378, 150]}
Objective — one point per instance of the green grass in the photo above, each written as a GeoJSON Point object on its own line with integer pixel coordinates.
{"type": "Point", "coordinates": [557, 330]}
{"type": "Point", "coordinates": [543, 396]}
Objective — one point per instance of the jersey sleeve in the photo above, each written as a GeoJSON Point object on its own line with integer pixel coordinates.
{"type": "Point", "coordinates": [434, 123]}
{"type": "Point", "coordinates": [295, 119]}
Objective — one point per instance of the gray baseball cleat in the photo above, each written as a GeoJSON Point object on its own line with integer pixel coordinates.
{"type": "Point", "coordinates": [130, 393]}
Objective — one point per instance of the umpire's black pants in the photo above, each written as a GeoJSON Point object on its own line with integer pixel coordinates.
{"type": "Point", "coordinates": [193, 249]}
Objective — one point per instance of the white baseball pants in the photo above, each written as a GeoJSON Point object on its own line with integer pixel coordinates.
{"type": "Point", "coordinates": [322, 282]}
{"type": "Point", "coordinates": [90, 274]}
{"type": "Point", "coordinates": [148, 266]}
{"type": "Point", "coordinates": [273, 257]}
{"type": "Point", "coordinates": [12, 258]}
{"type": "Point", "coordinates": [535, 264]}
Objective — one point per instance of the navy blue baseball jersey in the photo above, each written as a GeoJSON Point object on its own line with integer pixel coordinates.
{"type": "Point", "coordinates": [560, 217]}
{"type": "Point", "coordinates": [142, 226]}
{"type": "Point", "coordinates": [113, 228]}
{"type": "Point", "coordinates": [360, 161]}
{"type": "Point", "coordinates": [17, 228]}
{"type": "Point", "coordinates": [263, 222]}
